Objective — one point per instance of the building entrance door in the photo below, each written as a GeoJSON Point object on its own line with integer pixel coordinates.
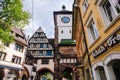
{"type": "Point", "coordinates": [1, 74]}
{"type": "Point", "coordinates": [116, 69]}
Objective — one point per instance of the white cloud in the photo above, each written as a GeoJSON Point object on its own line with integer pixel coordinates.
{"type": "Point", "coordinates": [43, 14]}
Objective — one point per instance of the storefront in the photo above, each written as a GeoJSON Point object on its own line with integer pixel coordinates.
{"type": "Point", "coordinates": [107, 69]}
{"type": "Point", "coordinates": [106, 64]}
{"type": "Point", "coordinates": [10, 73]}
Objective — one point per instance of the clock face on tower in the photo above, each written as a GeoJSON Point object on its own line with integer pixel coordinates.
{"type": "Point", "coordinates": [65, 19]}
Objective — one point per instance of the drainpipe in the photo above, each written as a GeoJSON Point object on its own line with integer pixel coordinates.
{"type": "Point", "coordinates": [87, 51]}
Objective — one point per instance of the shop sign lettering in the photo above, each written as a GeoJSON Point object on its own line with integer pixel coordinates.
{"type": "Point", "coordinates": [113, 40]}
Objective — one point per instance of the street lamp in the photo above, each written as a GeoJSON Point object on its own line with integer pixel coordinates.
{"type": "Point", "coordinates": [58, 57]}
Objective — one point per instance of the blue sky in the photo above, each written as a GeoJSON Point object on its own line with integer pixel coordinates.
{"type": "Point", "coordinates": [43, 14]}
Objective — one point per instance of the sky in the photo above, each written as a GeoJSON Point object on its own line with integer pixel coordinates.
{"type": "Point", "coordinates": [42, 14]}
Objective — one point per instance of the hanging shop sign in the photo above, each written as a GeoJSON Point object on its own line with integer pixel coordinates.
{"type": "Point", "coordinates": [110, 42]}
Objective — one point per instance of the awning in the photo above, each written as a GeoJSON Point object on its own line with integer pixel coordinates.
{"type": "Point", "coordinates": [13, 68]}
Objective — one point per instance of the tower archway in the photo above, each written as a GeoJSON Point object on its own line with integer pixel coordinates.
{"type": "Point", "coordinates": [44, 74]}
{"type": "Point", "coordinates": [67, 73]}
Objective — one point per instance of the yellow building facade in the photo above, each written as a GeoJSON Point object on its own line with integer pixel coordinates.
{"type": "Point", "coordinates": [81, 46]}
{"type": "Point", "coordinates": [101, 21]}
{"type": "Point", "coordinates": [79, 38]}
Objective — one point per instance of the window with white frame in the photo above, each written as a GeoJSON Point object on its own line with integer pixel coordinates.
{"type": "Point", "coordinates": [16, 59]}
{"type": "Point", "coordinates": [116, 3]}
{"type": "Point", "coordinates": [92, 31]}
{"type": "Point", "coordinates": [2, 56]}
{"type": "Point", "coordinates": [85, 5]}
{"type": "Point", "coordinates": [19, 47]}
{"type": "Point", "coordinates": [111, 9]}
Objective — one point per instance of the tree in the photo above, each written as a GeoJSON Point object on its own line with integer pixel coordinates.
{"type": "Point", "coordinates": [67, 75]}
{"type": "Point", "coordinates": [48, 76]}
{"type": "Point", "coordinates": [11, 14]}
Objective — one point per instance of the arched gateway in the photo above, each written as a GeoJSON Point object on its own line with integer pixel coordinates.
{"type": "Point", "coordinates": [44, 74]}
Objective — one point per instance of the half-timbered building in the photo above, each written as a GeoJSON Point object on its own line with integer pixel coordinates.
{"type": "Point", "coordinates": [42, 51]}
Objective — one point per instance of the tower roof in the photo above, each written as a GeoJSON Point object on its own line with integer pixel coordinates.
{"type": "Point", "coordinates": [63, 11]}
{"type": "Point", "coordinates": [67, 42]}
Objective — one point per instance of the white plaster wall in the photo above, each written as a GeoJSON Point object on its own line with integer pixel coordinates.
{"type": "Point", "coordinates": [65, 27]}
{"type": "Point", "coordinates": [48, 66]}
{"type": "Point", "coordinates": [60, 23]}
{"type": "Point", "coordinates": [4, 63]}
{"type": "Point", "coordinates": [29, 68]}
{"type": "Point", "coordinates": [66, 33]}
{"type": "Point", "coordinates": [10, 51]}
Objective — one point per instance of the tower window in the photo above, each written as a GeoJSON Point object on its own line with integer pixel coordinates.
{"type": "Point", "coordinates": [61, 31]}
{"type": "Point", "coordinates": [70, 31]}
{"type": "Point", "coordinates": [45, 61]}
